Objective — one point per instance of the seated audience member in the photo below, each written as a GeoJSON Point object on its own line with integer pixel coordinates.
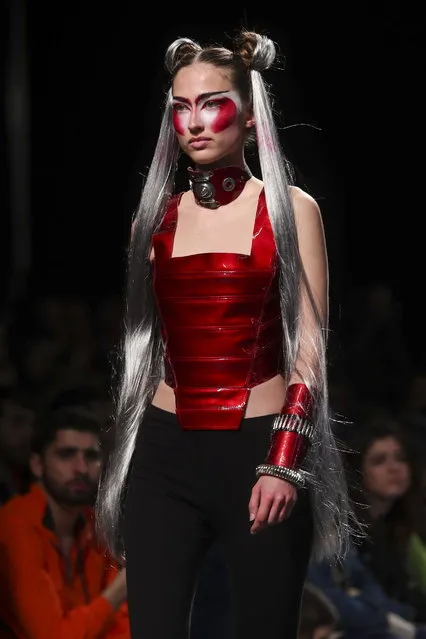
{"type": "Point", "coordinates": [363, 607]}
{"type": "Point", "coordinates": [90, 397]}
{"type": "Point", "coordinates": [417, 561]}
{"type": "Point", "coordinates": [318, 616]}
{"type": "Point", "coordinates": [390, 504]}
{"type": "Point", "coordinates": [56, 582]}
{"type": "Point", "coordinates": [16, 428]}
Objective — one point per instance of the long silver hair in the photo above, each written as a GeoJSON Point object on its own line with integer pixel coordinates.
{"type": "Point", "coordinates": [304, 349]}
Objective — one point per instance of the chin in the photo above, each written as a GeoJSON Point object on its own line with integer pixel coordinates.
{"type": "Point", "coordinates": [208, 157]}
{"type": "Point", "coordinates": [395, 493]}
{"type": "Point", "coordinates": [203, 158]}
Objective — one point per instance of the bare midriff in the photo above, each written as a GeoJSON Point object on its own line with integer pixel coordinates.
{"type": "Point", "coordinates": [265, 398]}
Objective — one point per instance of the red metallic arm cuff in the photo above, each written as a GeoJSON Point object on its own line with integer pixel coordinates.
{"type": "Point", "coordinates": [299, 401]}
{"type": "Point", "coordinates": [287, 449]}
{"type": "Point", "coordinates": [290, 436]}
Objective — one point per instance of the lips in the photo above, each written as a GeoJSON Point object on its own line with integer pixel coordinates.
{"type": "Point", "coordinates": [199, 143]}
{"type": "Point", "coordinates": [79, 485]}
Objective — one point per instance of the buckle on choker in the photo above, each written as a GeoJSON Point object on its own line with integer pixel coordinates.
{"type": "Point", "coordinates": [204, 190]}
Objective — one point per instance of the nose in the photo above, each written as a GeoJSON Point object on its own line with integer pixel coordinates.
{"type": "Point", "coordinates": [195, 123]}
{"type": "Point", "coordinates": [80, 465]}
{"type": "Point", "coordinates": [395, 469]}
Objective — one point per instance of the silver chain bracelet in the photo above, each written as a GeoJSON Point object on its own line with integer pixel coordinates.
{"type": "Point", "coordinates": [295, 477]}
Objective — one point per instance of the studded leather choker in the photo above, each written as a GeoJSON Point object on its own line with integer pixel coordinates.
{"type": "Point", "coordinates": [216, 187]}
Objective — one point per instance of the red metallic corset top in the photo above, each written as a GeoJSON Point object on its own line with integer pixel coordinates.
{"type": "Point", "coordinates": [220, 321]}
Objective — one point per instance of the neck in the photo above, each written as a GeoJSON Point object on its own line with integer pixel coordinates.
{"type": "Point", "coordinates": [221, 165]}
{"type": "Point", "coordinates": [64, 518]}
{"type": "Point", "coordinates": [218, 186]}
{"type": "Point", "coordinates": [378, 507]}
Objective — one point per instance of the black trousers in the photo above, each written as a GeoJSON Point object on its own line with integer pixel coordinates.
{"type": "Point", "coordinates": [211, 616]}
{"type": "Point", "coordinates": [187, 489]}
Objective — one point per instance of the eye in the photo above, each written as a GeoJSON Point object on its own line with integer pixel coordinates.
{"type": "Point", "coordinates": [178, 106]}
{"type": "Point", "coordinates": [66, 453]}
{"type": "Point", "coordinates": [401, 457]}
{"type": "Point", "coordinates": [377, 460]}
{"type": "Point", "coordinates": [92, 455]}
{"type": "Point", "coordinates": [212, 104]}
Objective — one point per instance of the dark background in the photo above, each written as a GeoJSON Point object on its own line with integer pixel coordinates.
{"type": "Point", "coordinates": [352, 117]}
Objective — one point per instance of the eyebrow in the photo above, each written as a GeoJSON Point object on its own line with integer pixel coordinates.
{"type": "Point", "coordinates": [75, 449]}
{"type": "Point", "coordinates": [199, 98]}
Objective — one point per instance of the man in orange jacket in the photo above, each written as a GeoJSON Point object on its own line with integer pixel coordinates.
{"type": "Point", "coordinates": [56, 582]}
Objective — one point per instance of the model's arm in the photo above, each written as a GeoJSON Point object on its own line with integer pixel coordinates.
{"type": "Point", "coordinates": [313, 253]}
{"type": "Point", "coordinates": [29, 601]}
{"type": "Point", "coordinates": [294, 428]}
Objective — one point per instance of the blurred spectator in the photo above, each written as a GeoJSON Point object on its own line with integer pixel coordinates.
{"type": "Point", "coordinates": [89, 397]}
{"type": "Point", "coordinates": [318, 616]}
{"type": "Point", "coordinates": [389, 501]}
{"type": "Point", "coordinates": [56, 582]}
{"type": "Point", "coordinates": [57, 340]}
{"type": "Point", "coordinates": [417, 560]}
{"type": "Point", "coordinates": [363, 607]}
{"type": "Point", "coordinates": [58, 345]}
{"type": "Point", "coordinates": [85, 395]}
{"type": "Point", "coordinates": [16, 429]}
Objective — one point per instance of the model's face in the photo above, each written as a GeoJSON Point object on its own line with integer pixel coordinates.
{"type": "Point", "coordinates": [208, 115]}
{"type": "Point", "coordinates": [386, 471]}
{"type": "Point", "coordinates": [70, 467]}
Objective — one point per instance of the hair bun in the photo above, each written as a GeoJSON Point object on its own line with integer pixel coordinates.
{"type": "Point", "coordinates": [257, 51]}
{"type": "Point", "coordinates": [178, 50]}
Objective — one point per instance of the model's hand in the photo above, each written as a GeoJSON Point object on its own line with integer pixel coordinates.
{"type": "Point", "coordinates": [271, 502]}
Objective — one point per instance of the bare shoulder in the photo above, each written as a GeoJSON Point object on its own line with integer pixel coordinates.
{"type": "Point", "coordinates": [309, 223]}
{"type": "Point", "coordinates": [307, 212]}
